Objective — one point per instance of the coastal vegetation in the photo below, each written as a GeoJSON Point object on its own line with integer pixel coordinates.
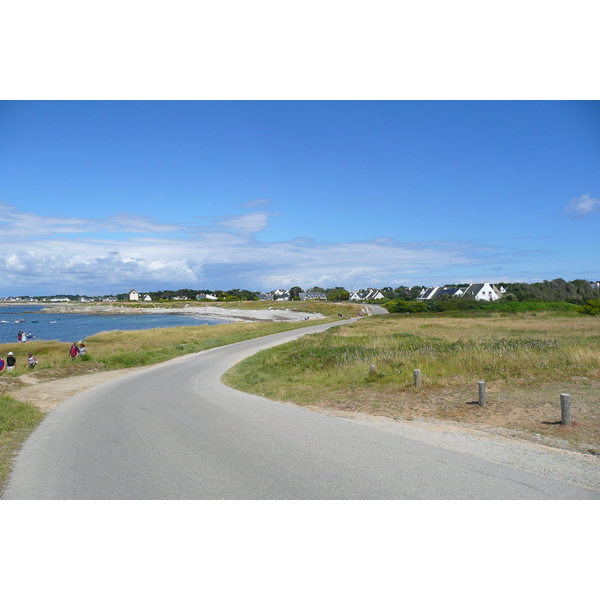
{"type": "Point", "coordinates": [526, 359]}
{"type": "Point", "coordinates": [123, 349]}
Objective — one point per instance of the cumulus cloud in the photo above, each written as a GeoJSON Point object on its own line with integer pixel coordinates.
{"type": "Point", "coordinates": [583, 206]}
{"type": "Point", "coordinates": [64, 255]}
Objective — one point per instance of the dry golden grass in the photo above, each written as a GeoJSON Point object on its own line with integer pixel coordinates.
{"type": "Point", "coordinates": [526, 361]}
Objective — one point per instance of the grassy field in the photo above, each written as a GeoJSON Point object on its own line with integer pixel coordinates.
{"type": "Point", "coordinates": [526, 361]}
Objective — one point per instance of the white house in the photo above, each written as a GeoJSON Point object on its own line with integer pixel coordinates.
{"type": "Point", "coordinates": [428, 293]}
{"type": "Point", "coordinates": [363, 296]}
{"type": "Point", "coordinates": [205, 297]}
{"type": "Point", "coordinates": [147, 298]}
{"type": "Point", "coordinates": [312, 296]}
{"type": "Point", "coordinates": [281, 295]}
{"type": "Point", "coordinates": [133, 296]}
{"type": "Point", "coordinates": [483, 291]}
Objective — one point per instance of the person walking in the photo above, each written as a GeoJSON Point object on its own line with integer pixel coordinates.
{"type": "Point", "coordinates": [82, 349]}
{"type": "Point", "coordinates": [74, 351]}
{"type": "Point", "coordinates": [31, 361]}
{"type": "Point", "coordinates": [11, 361]}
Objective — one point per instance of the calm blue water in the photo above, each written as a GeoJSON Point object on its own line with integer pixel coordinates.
{"type": "Point", "coordinates": [78, 327]}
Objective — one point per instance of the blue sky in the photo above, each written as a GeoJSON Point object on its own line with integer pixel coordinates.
{"type": "Point", "coordinates": [99, 197]}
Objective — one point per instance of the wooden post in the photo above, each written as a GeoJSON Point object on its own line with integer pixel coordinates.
{"type": "Point", "coordinates": [481, 385]}
{"type": "Point", "coordinates": [565, 409]}
{"type": "Point", "coordinates": [417, 377]}
{"type": "Point", "coordinates": [373, 370]}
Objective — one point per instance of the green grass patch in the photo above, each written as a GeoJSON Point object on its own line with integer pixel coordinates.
{"type": "Point", "coordinates": [523, 352]}
{"type": "Point", "coordinates": [17, 421]}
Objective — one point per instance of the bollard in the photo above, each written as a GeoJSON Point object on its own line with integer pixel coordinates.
{"type": "Point", "coordinates": [417, 377]}
{"type": "Point", "coordinates": [481, 385]}
{"type": "Point", "coordinates": [565, 409]}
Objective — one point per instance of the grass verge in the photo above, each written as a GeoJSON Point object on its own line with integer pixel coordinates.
{"type": "Point", "coordinates": [17, 421]}
{"type": "Point", "coordinates": [526, 361]}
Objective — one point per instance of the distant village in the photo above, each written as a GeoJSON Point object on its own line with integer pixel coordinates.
{"type": "Point", "coordinates": [555, 290]}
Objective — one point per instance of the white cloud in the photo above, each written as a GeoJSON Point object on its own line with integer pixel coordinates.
{"type": "Point", "coordinates": [583, 206]}
{"type": "Point", "coordinates": [257, 202]}
{"type": "Point", "coordinates": [64, 255]}
{"type": "Point", "coordinates": [250, 223]}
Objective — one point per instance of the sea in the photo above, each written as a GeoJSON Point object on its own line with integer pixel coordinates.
{"type": "Point", "coordinates": [76, 327]}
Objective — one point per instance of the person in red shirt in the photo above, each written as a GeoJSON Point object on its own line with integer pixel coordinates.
{"type": "Point", "coordinates": [74, 351]}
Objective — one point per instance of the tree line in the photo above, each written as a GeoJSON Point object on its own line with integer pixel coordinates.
{"type": "Point", "coordinates": [578, 291]}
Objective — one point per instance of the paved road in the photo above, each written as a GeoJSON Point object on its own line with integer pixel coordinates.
{"type": "Point", "coordinates": [175, 432]}
{"type": "Point", "coordinates": [377, 310]}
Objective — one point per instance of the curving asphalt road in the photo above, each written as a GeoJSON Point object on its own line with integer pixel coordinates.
{"type": "Point", "coordinates": [176, 432]}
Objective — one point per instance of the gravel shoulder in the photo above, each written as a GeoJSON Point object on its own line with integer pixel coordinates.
{"type": "Point", "coordinates": [496, 445]}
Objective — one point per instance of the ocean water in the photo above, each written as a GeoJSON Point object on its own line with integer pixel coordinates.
{"type": "Point", "coordinates": [78, 327]}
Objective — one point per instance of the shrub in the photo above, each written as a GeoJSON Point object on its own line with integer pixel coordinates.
{"type": "Point", "coordinates": [591, 307]}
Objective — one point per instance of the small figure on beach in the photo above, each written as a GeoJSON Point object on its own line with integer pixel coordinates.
{"type": "Point", "coordinates": [31, 361]}
{"type": "Point", "coordinates": [74, 351]}
{"type": "Point", "coordinates": [23, 336]}
{"type": "Point", "coordinates": [11, 361]}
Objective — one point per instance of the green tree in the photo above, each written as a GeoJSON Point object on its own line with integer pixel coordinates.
{"type": "Point", "coordinates": [337, 294]}
{"type": "Point", "coordinates": [295, 293]}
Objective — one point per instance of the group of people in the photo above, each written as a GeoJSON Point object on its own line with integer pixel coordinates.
{"type": "Point", "coordinates": [76, 350]}
{"type": "Point", "coordinates": [11, 361]}
{"type": "Point", "coordinates": [22, 336]}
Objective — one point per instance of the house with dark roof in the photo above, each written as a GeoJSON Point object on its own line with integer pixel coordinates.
{"type": "Point", "coordinates": [475, 291]}
{"type": "Point", "coordinates": [363, 296]}
{"type": "Point", "coordinates": [482, 291]}
{"type": "Point", "coordinates": [439, 292]}
{"type": "Point", "coordinates": [312, 296]}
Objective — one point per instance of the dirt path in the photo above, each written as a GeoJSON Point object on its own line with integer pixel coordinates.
{"type": "Point", "coordinates": [49, 394]}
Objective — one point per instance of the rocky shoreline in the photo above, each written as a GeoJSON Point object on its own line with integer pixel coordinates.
{"type": "Point", "coordinates": [216, 312]}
